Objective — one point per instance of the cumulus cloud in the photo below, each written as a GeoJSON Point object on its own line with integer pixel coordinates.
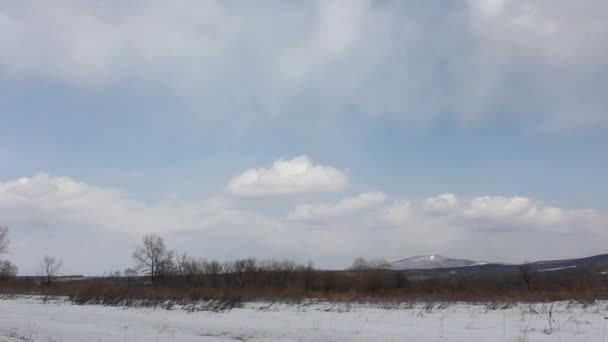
{"type": "Point", "coordinates": [41, 199]}
{"type": "Point", "coordinates": [489, 212]}
{"type": "Point", "coordinates": [542, 61]}
{"type": "Point", "coordinates": [288, 177]}
{"type": "Point", "coordinates": [349, 205]}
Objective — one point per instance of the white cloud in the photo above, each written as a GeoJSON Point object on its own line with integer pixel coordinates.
{"type": "Point", "coordinates": [441, 203]}
{"type": "Point", "coordinates": [288, 177]}
{"type": "Point", "coordinates": [397, 214]}
{"type": "Point", "coordinates": [349, 205]}
{"type": "Point", "coordinates": [541, 61]}
{"type": "Point", "coordinates": [70, 203]}
{"type": "Point", "coordinates": [489, 212]}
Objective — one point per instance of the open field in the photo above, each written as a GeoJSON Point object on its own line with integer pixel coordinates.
{"type": "Point", "coordinates": [30, 319]}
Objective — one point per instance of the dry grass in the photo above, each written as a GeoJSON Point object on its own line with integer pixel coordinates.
{"type": "Point", "coordinates": [298, 286]}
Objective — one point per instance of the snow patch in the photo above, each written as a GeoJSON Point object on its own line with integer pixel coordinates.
{"type": "Point", "coordinates": [557, 269]}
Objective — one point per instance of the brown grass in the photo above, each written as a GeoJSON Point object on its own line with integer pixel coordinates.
{"type": "Point", "coordinates": [224, 292]}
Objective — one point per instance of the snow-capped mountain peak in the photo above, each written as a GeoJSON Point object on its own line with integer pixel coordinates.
{"type": "Point", "coordinates": [431, 261]}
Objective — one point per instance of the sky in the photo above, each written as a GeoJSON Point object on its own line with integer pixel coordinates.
{"type": "Point", "coordinates": [306, 130]}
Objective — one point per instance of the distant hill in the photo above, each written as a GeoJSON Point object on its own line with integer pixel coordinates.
{"type": "Point", "coordinates": [425, 262]}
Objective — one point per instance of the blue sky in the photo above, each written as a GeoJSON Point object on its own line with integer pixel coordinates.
{"type": "Point", "coordinates": [319, 130]}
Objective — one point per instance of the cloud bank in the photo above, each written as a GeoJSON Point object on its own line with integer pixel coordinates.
{"type": "Point", "coordinates": [94, 228]}
{"type": "Point", "coordinates": [541, 62]}
{"type": "Point", "coordinates": [493, 212]}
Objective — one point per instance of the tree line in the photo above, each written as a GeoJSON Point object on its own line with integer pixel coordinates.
{"type": "Point", "coordinates": [162, 273]}
{"type": "Point", "coordinates": [160, 265]}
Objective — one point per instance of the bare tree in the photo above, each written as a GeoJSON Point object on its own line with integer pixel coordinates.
{"type": "Point", "coordinates": [3, 239]}
{"type": "Point", "coordinates": [153, 258]}
{"type": "Point", "coordinates": [191, 269]}
{"type": "Point", "coordinates": [50, 267]}
{"type": "Point", "coordinates": [526, 274]}
{"type": "Point", "coordinates": [180, 262]}
{"type": "Point", "coordinates": [214, 268]}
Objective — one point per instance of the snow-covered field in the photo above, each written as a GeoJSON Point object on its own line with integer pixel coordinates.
{"type": "Point", "coordinates": [28, 319]}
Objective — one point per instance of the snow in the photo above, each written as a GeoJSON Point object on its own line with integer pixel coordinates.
{"type": "Point", "coordinates": [31, 320]}
{"type": "Point", "coordinates": [557, 269]}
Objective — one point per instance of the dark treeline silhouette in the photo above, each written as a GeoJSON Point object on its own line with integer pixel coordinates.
{"type": "Point", "coordinates": [164, 276]}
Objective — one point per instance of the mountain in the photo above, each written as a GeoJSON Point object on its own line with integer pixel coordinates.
{"type": "Point", "coordinates": [425, 262]}
{"type": "Point", "coordinates": [438, 266]}
{"type": "Point", "coordinates": [425, 267]}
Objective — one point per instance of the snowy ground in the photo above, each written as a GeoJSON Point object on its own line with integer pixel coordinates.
{"type": "Point", "coordinates": [28, 319]}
